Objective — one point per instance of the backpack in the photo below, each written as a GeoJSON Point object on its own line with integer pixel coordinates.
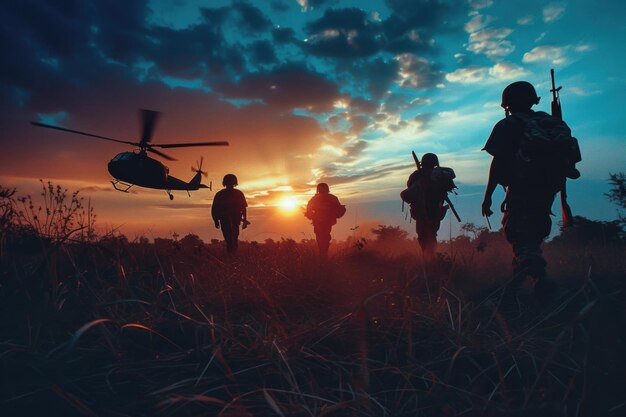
{"type": "Point", "coordinates": [341, 210]}
{"type": "Point", "coordinates": [441, 179]}
{"type": "Point", "coordinates": [325, 208]}
{"type": "Point", "coordinates": [547, 150]}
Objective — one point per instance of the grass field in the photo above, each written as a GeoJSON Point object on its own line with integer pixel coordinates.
{"type": "Point", "coordinates": [109, 327]}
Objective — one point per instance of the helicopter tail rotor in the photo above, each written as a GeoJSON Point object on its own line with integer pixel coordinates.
{"type": "Point", "coordinates": [198, 167]}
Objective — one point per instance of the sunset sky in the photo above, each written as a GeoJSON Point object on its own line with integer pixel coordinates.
{"type": "Point", "coordinates": [305, 91]}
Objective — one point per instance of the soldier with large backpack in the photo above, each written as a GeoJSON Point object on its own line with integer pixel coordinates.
{"type": "Point", "coordinates": [323, 210]}
{"type": "Point", "coordinates": [427, 190]}
{"type": "Point", "coordinates": [533, 155]}
{"type": "Point", "coordinates": [229, 211]}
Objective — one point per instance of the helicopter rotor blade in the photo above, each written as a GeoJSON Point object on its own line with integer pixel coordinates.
{"type": "Point", "coordinates": [161, 154]}
{"type": "Point", "coordinates": [83, 133]}
{"type": "Point", "coordinates": [186, 145]}
{"type": "Point", "coordinates": [148, 121]}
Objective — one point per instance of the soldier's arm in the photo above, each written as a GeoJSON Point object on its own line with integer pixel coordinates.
{"type": "Point", "coordinates": [310, 207]}
{"type": "Point", "coordinates": [244, 211]}
{"type": "Point", "coordinates": [214, 211]}
{"type": "Point", "coordinates": [492, 183]}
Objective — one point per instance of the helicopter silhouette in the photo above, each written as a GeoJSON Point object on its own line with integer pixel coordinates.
{"type": "Point", "coordinates": [137, 168]}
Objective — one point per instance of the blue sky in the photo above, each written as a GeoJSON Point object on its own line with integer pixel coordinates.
{"type": "Point", "coordinates": [305, 91]}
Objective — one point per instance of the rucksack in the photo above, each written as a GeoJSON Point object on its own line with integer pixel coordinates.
{"type": "Point", "coordinates": [441, 180]}
{"type": "Point", "coordinates": [341, 210]}
{"type": "Point", "coordinates": [547, 150]}
{"type": "Point", "coordinates": [325, 208]}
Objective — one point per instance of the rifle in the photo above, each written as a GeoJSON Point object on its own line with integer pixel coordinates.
{"type": "Point", "coordinates": [557, 112]}
{"type": "Point", "coordinates": [419, 167]}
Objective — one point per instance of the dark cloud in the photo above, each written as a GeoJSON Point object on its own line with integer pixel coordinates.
{"type": "Point", "coordinates": [418, 73]}
{"type": "Point", "coordinates": [424, 119]}
{"type": "Point", "coordinates": [361, 105]}
{"type": "Point", "coordinates": [425, 14]}
{"type": "Point", "coordinates": [342, 33]}
{"type": "Point", "coordinates": [215, 17]}
{"type": "Point", "coordinates": [51, 29]}
{"type": "Point", "coordinates": [283, 35]}
{"type": "Point", "coordinates": [376, 75]}
{"type": "Point", "coordinates": [355, 149]}
{"type": "Point", "coordinates": [252, 18]}
{"type": "Point", "coordinates": [333, 175]}
{"type": "Point", "coordinates": [411, 28]}
{"type": "Point", "coordinates": [319, 3]}
{"type": "Point", "coordinates": [279, 6]}
{"type": "Point", "coordinates": [262, 52]}
{"type": "Point", "coordinates": [188, 53]}
{"type": "Point", "coordinates": [286, 87]}
{"type": "Point", "coordinates": [396, 102]}
{"type": "Point", "coordinates": [119, 29]}
{"type": "Point", "coordinates": [358, 123]}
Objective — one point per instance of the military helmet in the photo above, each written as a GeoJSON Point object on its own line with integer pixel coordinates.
{"type": "Point", "coordinates": [521, 93]}
{"type": "Point", "coordinates": [430, 160]}
{"type": "Point", "coordinates": [322, 187]}
{"type": "Point", "coordinates": [229, 179]}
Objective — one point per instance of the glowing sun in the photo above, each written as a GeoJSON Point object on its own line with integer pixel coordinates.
{"type": "Point", "coordinates": [288, 204]}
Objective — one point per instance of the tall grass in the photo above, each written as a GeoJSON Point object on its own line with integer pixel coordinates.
{"type": "Point", "coordinates": [178, 328]}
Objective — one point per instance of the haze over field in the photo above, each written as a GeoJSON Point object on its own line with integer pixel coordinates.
{"type": "Point", "coordinates": [305, 91]}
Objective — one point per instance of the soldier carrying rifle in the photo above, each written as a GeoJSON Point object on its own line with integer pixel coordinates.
{"type": "Point", "coordinates": [427, 190]}
{"type": "Point", "coordinates": [533, 155]}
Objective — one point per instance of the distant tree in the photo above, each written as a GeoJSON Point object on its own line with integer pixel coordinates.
{"type": "Point", "coordinates": [617, 193]}
{"type": "Point", "coordinates": [114, 240]}
{"type": "Point", "coordinates": [164, 245]}
{"type": "Point", "coordinates": [468, 228]}
{"type": "Point", "coordinates": [588, 232]}
{"type": "Point", "coordinates": [191, 241]}
{"type": "Point", "coordinates": [390, 233]}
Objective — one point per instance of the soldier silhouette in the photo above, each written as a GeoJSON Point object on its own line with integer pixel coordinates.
{"type": "Point", "coordinates": [427, 189]}
{"type": "Point", "coordinates": [529, 196]}
{"type": "Point", "coordinates": [229, 211]}
{"type": "Point", "coordinates": [323, 210]}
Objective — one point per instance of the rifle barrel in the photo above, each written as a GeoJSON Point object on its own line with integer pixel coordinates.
{"type": "Point", "coordinates": [453, 209]}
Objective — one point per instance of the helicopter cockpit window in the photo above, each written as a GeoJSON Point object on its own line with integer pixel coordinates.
{"type": "Point", "coordinates": [122, 156]}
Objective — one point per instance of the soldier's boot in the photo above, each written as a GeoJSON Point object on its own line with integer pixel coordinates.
{"type": "Point", "coordinates": [513, 300]}
{"type": "Point", "coordinates": [544, 289]}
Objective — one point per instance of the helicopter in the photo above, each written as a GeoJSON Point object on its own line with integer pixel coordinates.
{"type": "Point", "coordinates": [137, 168]}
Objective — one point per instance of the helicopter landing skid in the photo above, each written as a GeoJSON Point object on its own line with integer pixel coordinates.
{"type": "Point", "coordinates": [124, 184]}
